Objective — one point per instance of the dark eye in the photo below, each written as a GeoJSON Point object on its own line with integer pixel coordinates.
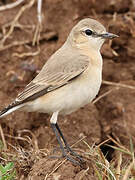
{"type": "Point", "coordinates": [88, 32]}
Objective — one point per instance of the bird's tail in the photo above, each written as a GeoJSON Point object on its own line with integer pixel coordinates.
{"type": "Point", "coordinates": [12, 107]}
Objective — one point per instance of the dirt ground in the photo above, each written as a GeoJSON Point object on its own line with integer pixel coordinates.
{"type": "Point", "coordinates": [111, 116]}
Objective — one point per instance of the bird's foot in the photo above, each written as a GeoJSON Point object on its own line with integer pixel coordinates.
{"type": "Point", "coordinates": [75, 162]}
{"type": "Point", "coordinates": [78, 161]}
{"type": "Point", "coordinates": [74, 154]}
{"type": "Point", "coordinates": [68, 149]}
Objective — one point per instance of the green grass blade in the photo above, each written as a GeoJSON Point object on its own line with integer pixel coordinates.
{"type": "Point", "coordinates": [9, 166]}
{"type": "Point", "coordinates": [119, 149]}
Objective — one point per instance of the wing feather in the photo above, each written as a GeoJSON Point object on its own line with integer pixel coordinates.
{"type": "Point", "coordinates": [54, 75]}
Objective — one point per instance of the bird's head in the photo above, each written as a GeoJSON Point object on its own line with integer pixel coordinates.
{"type": "Point", "coordinates": [89, 33]}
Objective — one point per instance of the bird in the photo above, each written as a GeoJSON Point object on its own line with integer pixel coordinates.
{"type": "Point", "coordinates": [70, 79]}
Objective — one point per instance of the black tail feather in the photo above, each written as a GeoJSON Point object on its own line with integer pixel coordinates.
{"type": "Point", "coordinates": [12, 105]}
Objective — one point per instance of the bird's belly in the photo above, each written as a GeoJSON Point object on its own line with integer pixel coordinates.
{"type": "Point", "coordinates": [81, 93]}
{"type": "Point", "coordinates": [79, 96]}
{"type": "Point", "coordinates": [68, 98]}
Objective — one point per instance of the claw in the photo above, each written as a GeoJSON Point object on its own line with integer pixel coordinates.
{"type": "Point", "coordinates": [72, 160]}
{"type": "Point", "coordinates": [58, 132]}
{"type": "Point", "coordinates": [74, 154]}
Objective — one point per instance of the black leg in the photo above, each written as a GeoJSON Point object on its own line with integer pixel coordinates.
{"type": "Point", "coordinates": [61, 145]}
{"type": "Point", "coordinates": [66, 144]}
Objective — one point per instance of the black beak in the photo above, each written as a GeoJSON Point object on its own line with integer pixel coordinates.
{"type": "Point", "coordinates": [109, 35]}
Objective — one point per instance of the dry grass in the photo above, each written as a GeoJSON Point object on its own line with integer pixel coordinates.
{"type": "Point", "coordinates": [24, 158]}
{"type": "Point", "coordinates": [115, 169]}
{"type": "Point", "coordinates": [15, 23]}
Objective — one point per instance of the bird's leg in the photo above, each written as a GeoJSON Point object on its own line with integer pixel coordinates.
{"type": "Point", "coordinates": [66, 144]}
{"type": "Point", "coordinates": [56, 131]}
{"type": "Point", "coordinates": [61, 145]}
{"type": "Point", "coordinates": [53, 126]}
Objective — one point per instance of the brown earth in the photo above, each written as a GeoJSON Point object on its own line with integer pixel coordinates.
{"type": "Point", "coordinates": [112, 115]}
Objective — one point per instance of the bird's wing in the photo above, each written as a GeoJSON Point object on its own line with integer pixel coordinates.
{"type": "Point", "coordinates": [54, 75]}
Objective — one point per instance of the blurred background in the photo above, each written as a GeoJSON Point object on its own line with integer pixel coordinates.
{"type": "Point", "coordinates": [26, 44]}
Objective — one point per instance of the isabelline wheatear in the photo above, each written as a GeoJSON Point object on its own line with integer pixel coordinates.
{"type": "Point", "coordinates": [70, 79]}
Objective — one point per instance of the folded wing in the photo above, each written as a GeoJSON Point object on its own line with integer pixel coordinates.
{"type": "Point", "coordinates": [54, 75]}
